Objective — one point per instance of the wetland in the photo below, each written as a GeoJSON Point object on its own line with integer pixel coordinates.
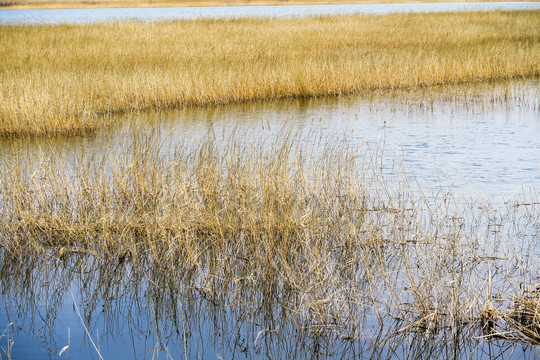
{"type": "Point", "coordinates": [265, 230]}
{"type": "Point", "coordinates": [310, 210]}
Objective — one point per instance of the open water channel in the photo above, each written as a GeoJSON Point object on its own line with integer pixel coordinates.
{"type": "Point", "coordinates": [154, 14]}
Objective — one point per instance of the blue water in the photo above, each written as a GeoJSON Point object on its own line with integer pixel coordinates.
{"type": "Point", "coordinates": [130, 317]}
{"type": "Point", "coordinates": [54, 16]}
{"type": "Point", "coordinates": [473, 147]}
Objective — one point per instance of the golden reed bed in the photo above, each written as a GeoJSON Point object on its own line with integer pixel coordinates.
{"type": "Point", "coordinates": [68, 79]}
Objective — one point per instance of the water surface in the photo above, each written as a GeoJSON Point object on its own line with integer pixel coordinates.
{"type": "Point", "coordinates": [54, 16]}
{"type": "Point", "coordinates": [481, 140]}
{"type": "Point", "coordinates": [476, 141]}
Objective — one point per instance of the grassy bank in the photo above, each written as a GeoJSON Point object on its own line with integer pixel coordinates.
{"type": "Point", "coordinates": [68, 79]}
{"type": "Point", "coordinates": [302, 225]}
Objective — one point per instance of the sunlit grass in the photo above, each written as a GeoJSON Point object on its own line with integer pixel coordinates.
{"type": "Point", "coordinates": [298, 217]}
{"type": "Point", "coordinates": [69, 79]}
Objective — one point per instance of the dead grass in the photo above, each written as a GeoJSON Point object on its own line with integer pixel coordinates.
{"type": "Point", "coordinates": [70, 79]}
{"type": "Point", "coordinates": [243, 222]}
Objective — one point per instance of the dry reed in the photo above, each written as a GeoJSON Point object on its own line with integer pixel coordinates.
{"type": "Point", "coordinates": [69, 79]}
{"type": "Point", "coordinates": [241, 223]}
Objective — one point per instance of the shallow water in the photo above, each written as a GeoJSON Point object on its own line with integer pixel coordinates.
{"type": "Point", "coordinates": [53, 16]}
{"type": "Point", "coordinates": [95, 307]}
{"type": "Point", "coordinates": [477, 142]}
{"type": "Point", "coordinates": [475, 149]}
{"type": "Point", "coordinates": [481, 141]}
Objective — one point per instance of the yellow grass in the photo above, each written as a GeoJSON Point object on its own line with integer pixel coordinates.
{"type": "Point", "coordinates": [68, 79]}
{"type": "Point", "coordinates": [242, 221]}
{"type": "Point", "coordinates": [64, 4]}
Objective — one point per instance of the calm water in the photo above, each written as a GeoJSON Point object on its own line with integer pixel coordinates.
{"type": "Point", "coordinates": [479, 142]}
{"type": "Point", "coordinates": [466, 140]}
{"type": "Point", "coordinates": [87, 304]}
{"type": "Point", "coordinates": [153, 14]}
{"type": "Point", "coordinates": [480, 148]}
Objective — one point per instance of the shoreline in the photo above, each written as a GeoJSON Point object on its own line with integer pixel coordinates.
{"type": "Point", "coordinates": [108, 4]}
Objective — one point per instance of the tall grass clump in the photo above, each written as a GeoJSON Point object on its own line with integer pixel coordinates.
{"type": "Point", "coordinates": [216, 192]}
{"type": "Point", "coordinates": [70, 79]}
{"type": "Point", "coordinates": [294, 223]}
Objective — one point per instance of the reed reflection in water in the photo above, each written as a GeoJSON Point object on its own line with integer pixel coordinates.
{"type": "Point", "coordinates": [199, 234]}
{"type": "Point", "coordinates": [222, 247]}
{"type": "Point", "coordinates": [145, 313]}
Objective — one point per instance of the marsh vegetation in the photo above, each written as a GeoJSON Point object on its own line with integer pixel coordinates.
{"type": "Point", "coordinates": [277, 235]}
{"type": "Point", "coordinates": [70, 79]}
{"type": "Point", "coordinates": [253, 242]}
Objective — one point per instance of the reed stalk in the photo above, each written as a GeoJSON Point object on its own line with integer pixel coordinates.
{"type": "Point", "coordinates": [271, 221]}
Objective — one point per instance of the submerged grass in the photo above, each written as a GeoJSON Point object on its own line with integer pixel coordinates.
{"type": "Point", "coordinates": [293, 225]}
{"type": "Point", "coordinates": [70, 79]}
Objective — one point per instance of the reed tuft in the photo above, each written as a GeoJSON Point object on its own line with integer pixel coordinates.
{"type": "Point", "coordinates": [295, 221]}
